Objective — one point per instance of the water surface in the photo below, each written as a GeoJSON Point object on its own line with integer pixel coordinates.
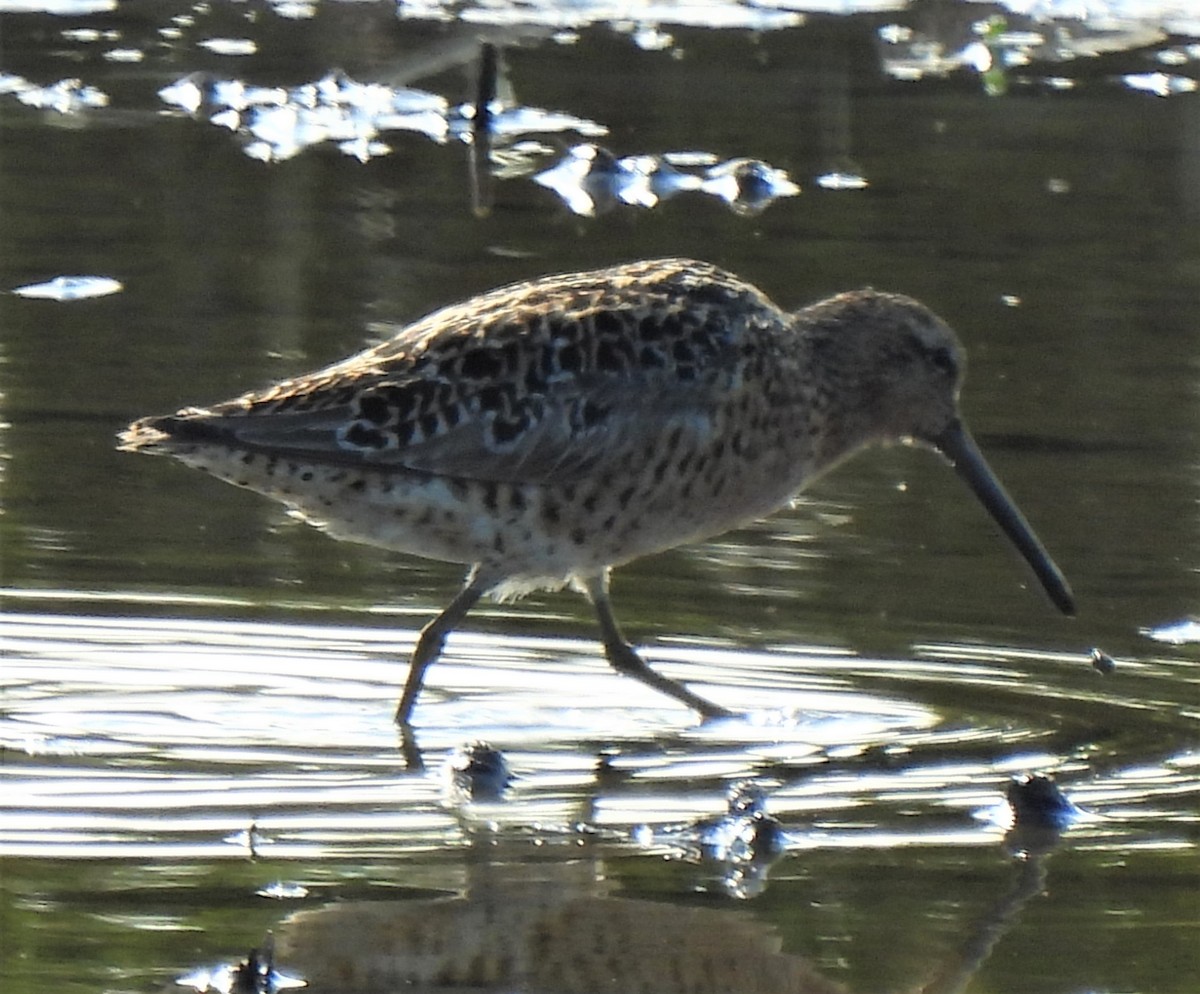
{"type": "Point", "coordinates": [197, 689]}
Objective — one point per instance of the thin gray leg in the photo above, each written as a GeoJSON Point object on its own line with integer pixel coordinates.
{"type": "Point", "coordinates": [624, 659]}
{"type": "Point", "coordinates": [433, 638]}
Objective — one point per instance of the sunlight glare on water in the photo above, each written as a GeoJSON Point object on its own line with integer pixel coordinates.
{"type": "Point", "coordinates": [228, 706]}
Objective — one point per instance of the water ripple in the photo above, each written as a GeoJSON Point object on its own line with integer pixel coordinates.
{"type": "Point", "coordinates": [173, 736]}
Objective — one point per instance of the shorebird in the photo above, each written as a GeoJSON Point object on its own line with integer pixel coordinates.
{"type": "Point", "coordinates": [546, 432]}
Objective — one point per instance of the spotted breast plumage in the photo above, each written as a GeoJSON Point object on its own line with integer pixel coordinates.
{"type": "Point", "coordinates": [546, 432]}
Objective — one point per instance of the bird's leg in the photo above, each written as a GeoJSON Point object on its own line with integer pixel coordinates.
{"type": "Point", "coordinates": [624, 658]}
{"type": "Point", "coordinates": [414, 762]}
{"type": "Point", "coordinates": [433, 637]}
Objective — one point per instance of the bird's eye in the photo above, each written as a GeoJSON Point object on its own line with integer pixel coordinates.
{"type": "Point", "coordinates": [943, 360]}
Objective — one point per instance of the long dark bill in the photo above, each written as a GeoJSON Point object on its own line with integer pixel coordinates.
{"type": "Point", "coordinates": [956, 444]}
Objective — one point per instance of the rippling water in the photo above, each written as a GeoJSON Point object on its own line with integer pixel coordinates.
{"type": "Point", "coordinates": [196, 690]}
{"type": "Point", "coordinates": [158, 736]}
{"type": "Point", "coordinates": [192, 763]}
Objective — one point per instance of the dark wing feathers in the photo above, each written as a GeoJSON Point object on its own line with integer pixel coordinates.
{"type": "Point", "coordinates": [550, 379]}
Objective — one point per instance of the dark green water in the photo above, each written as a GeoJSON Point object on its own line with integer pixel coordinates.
{"type": "Point", "coordinates": [181, 659]}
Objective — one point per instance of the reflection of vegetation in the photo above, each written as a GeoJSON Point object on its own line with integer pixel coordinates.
{"type": "Point", "coordinates": [277, 123]}
{"type": "Point", "coordinates": [507, 140]}
{"type": "Point", "coordinates": [591, 180]}
{"type": "Point", "coordinates": [991, 34]}
{"type": "Point", "coordinates": [67, 96]}
{"type": "Point", "coordinates": [1009, 47]}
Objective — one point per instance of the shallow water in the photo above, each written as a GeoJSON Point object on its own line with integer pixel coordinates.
{"type": "Point", "coordinates": [197, 689]}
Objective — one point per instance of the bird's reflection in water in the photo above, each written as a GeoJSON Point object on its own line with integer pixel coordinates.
{"type": "Point", "coordinates": [1040, 813]}
{"type": "Point", "coordinates": [548, 928]}
{"type": "Point", "coordinates": [554, 927]}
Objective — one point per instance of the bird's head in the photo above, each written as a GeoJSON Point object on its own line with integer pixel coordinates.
{"type": "Point", "coordinates": [897, 370]}
{"type": "Point", "coordinates": [899, 364]}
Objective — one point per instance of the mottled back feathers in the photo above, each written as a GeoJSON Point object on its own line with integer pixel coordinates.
{"type": "Point", "coordinates": [532, 381]}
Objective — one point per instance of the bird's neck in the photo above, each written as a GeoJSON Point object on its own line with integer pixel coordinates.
{"type": "Point", "coordinates": [842, 404]}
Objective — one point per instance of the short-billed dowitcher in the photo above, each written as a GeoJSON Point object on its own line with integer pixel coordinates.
{"type": "Point", "coordinates": [546, 432]}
